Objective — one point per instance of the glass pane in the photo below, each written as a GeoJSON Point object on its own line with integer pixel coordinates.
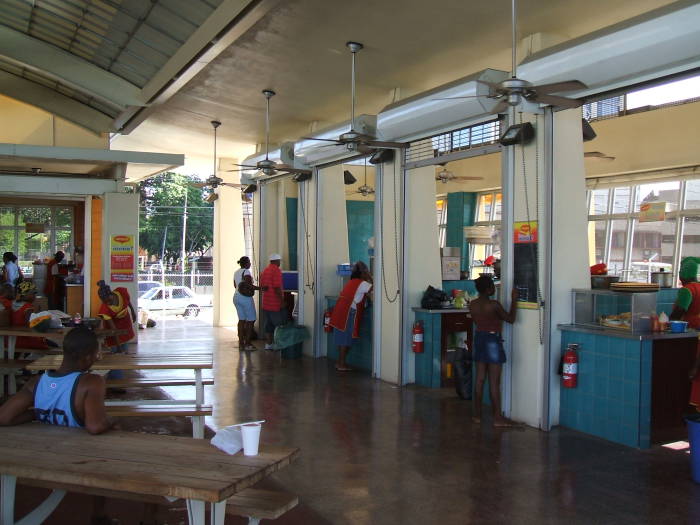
{"type": "Point", "coordinates": [33, 246]}
{"type": "Point", "coordinates": [7, 216]}
{"type": "Point", "coordinates": [64, 217]}
{"type": "Point", "coordinates": [440, 211]}
{"type": "Point", "coordinates": [668, 192]}
{"type": "Point", "coordinates": [692, 194]}
{"type": "Point", "coordinates": [63, 242]}
{"type": "Point", "coordinates": [35, 215]}
{"type": "Point", "coordinates": [7, 240]}
{"type": "Point", "coordinates": [596, 239]}
{"type": "Point", "coordinates": [690, 243]}
{"type": "Point", "coordinates": [483, 207]}
{"type": "Point", "coordinates": [652, 248]}
{"type": "Point", "coordinates": [621, 200]}
{"type": "Point", "coordinates": [599, 202]}
{"type": "Point", "coordinates": [617, 247]}
{"type": "Point", "coordinates": [497, 210]}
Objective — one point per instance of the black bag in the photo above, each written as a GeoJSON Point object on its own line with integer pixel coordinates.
{"type": "Point", "coordinates": [246, 288]}
{"type": "Point", "coordinates": [463, 373]}
{"type": "Point", "coordinates": [432, 297]}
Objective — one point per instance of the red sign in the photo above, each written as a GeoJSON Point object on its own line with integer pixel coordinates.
{"type": "Point", "coordinates": [121, 258]}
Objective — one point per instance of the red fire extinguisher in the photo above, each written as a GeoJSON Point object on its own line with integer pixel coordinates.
{"type": "Point", "coordinates": [570, 368]}
{"type": "Point", "coordinates": [327, 321]}
{"type": "Point", "coordinates": [417, 339]}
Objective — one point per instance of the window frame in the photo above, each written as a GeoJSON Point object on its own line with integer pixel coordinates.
{"type": "Point", "coordinates": [496, 194]}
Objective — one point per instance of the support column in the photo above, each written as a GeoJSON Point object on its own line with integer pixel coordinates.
{"type": "Point", "coordinates": [229, 246]}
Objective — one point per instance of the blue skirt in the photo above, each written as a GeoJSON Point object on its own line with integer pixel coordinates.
{"type": "Point", "coordinates": [344, 337]}
{"type": "Point", "coordinates": [488, 348]}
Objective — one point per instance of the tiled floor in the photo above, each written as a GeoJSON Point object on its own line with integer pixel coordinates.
{"type": "Point", "coordinates": [373, 453]}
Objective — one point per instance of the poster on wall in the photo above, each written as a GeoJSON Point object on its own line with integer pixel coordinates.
{"type": "Point", "coordinates": [121, 258]}
{"type": "Point", "coordinates": [652, 212]}
{"type": "Point", "coordinates": [525, 232]}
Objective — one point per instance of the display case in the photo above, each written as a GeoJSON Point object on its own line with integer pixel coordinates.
{"type": "Point", "coordinates": [607, 309]}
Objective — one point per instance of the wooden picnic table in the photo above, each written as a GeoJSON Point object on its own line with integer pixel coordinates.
{"type": "Point", "coordinates": [150, 464]}
{"type": "Point", "coordinates": [196, 362]}
{"type": "Point", "coordinates": [55, 335]}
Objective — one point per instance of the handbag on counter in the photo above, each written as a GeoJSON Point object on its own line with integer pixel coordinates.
{"type": "Point", "coordinates": [432, 297]}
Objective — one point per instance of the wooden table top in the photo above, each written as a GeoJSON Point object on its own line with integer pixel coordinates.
{"type": "Point", "coordinates": [56, 335]}
{"type": "Point", "coordinates": [173, 466]}
{"type": "Point", "coordinates": [132, 362]}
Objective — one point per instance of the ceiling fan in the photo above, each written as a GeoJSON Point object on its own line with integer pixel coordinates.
{"type": "Point", "coordinates": [365, 190]}
{"type": "Point", "coordinates": [597, 155]}
{"type": "Point", "coordinates": [445, 176]}
{"type": "Point", "coordinates": [267, 166]}
{"type": "Point", "coordinates": [512, 91]}
{"type": "Point", "coordinates": [354, 140]}
{"type": "Point", "coordinates": [213, 181]}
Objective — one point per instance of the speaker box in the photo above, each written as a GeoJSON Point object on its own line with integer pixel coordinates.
{"type": "Point", "coordinates": [588, 133]}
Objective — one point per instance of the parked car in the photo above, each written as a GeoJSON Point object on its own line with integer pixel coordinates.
{"type": "Point", "coordinates": [144, 286]}
{"type": "Point", "coordinates": [178, 300]}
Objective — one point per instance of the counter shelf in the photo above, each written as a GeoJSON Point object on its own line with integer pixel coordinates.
{"type": "Point", "coordinates": [620, 311]}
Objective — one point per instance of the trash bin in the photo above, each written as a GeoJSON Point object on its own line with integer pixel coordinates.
{"type": "Point", "coordinates": [694, 440]}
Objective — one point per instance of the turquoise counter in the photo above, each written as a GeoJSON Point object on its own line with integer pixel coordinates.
{"type": "Point", "coordinates": [632, 389]}
{"type": "Point", "coordinates": [360, 354]}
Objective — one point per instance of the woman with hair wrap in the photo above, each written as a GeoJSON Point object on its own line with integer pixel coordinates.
{"type": "Point", "coordinates": [114, 312]}
{"type": "Point", "coordinates": [687, 308]}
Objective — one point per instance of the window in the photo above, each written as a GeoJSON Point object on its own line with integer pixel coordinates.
{"type": "Point", "coordinates": [488, 213]}
{"type": "Point", "coordinates": [633, 249]}
{"type": "Point", "coordinates": [442, 219]}
{"type": "Point", "coordinates": [180, 293]}
{"type": "Point", "coordinates": [56, 223]}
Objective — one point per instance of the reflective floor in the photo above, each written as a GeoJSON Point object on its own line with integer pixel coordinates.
{"type": "Point", "coordinates": [372, 453]}
{"type": "Point", "coordinates": [375, 453]}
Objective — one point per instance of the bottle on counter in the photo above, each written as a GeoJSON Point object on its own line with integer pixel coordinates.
{"type": "Point", "coordinates": [663, 322]}
{"type": "Point", "coordinates": [77, 319]}
{"type": "Point", "coordinates": [654, 322]}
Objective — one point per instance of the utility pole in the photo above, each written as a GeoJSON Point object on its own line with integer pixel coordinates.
{"type": "Point", "coordinates": [184, 230]}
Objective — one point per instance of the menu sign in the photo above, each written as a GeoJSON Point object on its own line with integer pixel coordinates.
{"type": "Point", "coordinates": [525, 232]}
{"type": "Point", "coordinates": [121, 258]}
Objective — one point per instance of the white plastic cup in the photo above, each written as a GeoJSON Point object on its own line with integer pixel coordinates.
{"type": "Point", "coordinates": [251, 438]}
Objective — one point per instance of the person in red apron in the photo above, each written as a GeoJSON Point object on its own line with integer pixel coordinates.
{"type": "Point", "coordinates": [52, 286]}
{"type": "Point", "coordinates": [347, 312]}
{"type": "Point", "coordinates": [22, 308]}
{"type": "Point", "coordinates": [687, 308]}
{"type": "Point", "coordinates": [117, 313]}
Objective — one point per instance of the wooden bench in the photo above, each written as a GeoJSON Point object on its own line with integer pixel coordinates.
{"type": "Point", "coordinates": [142, 382]}
{"type": "Point", "coordinates": [196, 412]}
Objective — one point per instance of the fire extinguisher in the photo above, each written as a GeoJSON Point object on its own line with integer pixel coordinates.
{"type": "Point", "coordinates": [570, 368]}
{"type": "Point", "coordinates": [417, 338]}
{"type": "Point", "coordinates": [327, 321]}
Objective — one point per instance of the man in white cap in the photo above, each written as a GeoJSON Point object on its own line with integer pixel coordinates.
{"type": "Point", "coordinates": [272, 299]}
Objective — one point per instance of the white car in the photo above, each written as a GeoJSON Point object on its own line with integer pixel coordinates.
{"type": "Point", "coordinates": [178, 300]}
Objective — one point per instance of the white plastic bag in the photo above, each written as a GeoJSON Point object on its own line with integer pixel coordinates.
{"type": "Point", "coordinates": [228, 439]}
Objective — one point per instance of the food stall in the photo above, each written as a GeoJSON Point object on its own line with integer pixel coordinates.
{"type": "Point", "coordinates": [632, 385]}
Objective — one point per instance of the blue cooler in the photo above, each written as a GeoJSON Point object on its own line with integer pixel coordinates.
{"type": "Point", "coordinates": [290, 281]}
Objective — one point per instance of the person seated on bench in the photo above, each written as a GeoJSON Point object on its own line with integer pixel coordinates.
{"type": "Point", "coordinates": [22, 309]}
{"type": "Point", "coordinates": [67, 397]}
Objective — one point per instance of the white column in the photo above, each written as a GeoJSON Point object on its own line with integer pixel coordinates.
{"type": "Point", "coordinates": [306, 249]}
{"type": "Point", "coordinates": [120, 216]}
{"type": "Point", "coordinates": [229, 246]}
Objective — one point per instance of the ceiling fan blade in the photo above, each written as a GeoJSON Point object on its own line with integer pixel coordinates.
{"type": "Point", "coordinates": [467, 178]}
{"type": "Point", "coordinates": [246, 166]}
{"type": "Point", "coordinates": [594, 154]}
{"type": "Point", "coordinates": [235, 171]}
{"type": "Point", "coordinates": [199, 184]}
{"type": "Point", "coordinates": [323, 140]}
{"type": "Point", "coordinates": [385, 144]}
{"type": "Point", "coordinates": [501, 107]}
{"type": "Point", "coordinates": [492, 85]}
{"type": "Point", "coordinates": [458, 98]}
{"type": "Point", "coordinates": [232, 185]}
{"type": "Point", "coordinates": [289, 169]}
{"type": "Point", "coordinates": [554, 100]}
{"type": "Point", "coordinates": [556, 87]}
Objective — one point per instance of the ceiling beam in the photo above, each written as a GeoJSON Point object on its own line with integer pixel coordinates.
{"type": "Point", "coordinates": [231, 20]}
{"type": "Point", "coordinates": [66, 68]}
{"type": "Point", "coordinates": [23, 184]}
{"type": "Point", "coordinates": [54, 102]}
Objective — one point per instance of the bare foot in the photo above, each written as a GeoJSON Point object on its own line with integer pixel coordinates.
{"type": "Point", "coordinates": [343, 368]}
{"type": "Point", "coordinates": [502, 422]}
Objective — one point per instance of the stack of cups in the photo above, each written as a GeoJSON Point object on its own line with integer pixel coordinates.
{"type": "Point", "coordinates": [251, 438]}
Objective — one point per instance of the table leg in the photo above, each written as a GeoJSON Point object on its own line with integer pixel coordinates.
{"type": "Point", "coordinates": [35, 517]}
{"type": "Point", "coordinates": [195, 512]}
{"type": "Point", "coordinates": [11, 343]}
{"type": "Point", "coordinates": [218, 513]}
{"type": "Point", "coordinates": [199, 386]}
{"type": "Point", "coordinates": [198, 427]}
{"type": "Point", "coordinates": [7, 499]}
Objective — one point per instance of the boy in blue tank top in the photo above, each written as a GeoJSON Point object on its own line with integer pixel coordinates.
{"type": "Point", "coordinates": [69, 396]}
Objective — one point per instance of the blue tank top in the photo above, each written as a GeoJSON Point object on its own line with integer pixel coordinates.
{"type": "Point", "coordinates": [53, 399]}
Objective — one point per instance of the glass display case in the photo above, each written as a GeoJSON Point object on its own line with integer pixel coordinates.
{"type": "Point", "coordinates": [614, 310]}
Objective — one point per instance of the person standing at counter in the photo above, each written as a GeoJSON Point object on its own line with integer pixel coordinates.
{"type": "Point", "coordinates": [117, 312]}
{"type": "Point", "coordinates": [53, 287]}
{"type": "Point", "coordinates": [488, 316]}
{"type": "Point", "coordinates": [347, 312]}
{"type": "Point", "coordinates": [11, 272]}
{"type": "Point", "coordinates": [687, 308]}
{"type": "Point", "coordinates": [272, 299]}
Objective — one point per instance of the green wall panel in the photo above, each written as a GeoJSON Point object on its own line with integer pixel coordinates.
{"type": "Point", "coordinates": [360, 229]}
{"type": "Point", "coordinates": [292, 205]}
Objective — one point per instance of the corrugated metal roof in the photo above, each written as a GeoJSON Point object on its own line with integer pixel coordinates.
{"type": "Point", "coordinates": [132, 39]}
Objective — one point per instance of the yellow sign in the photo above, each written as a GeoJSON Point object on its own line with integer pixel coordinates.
{"type": "Point", "coordinates": [121, 258]}
{"type": "Point", "coordinates": [525, 232]}
{"type": "Point", "coordinates": [652, 212]}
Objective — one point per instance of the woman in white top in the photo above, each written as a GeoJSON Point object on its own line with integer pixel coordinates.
{"type": "Point", "coordinates": [243, 301]}
{"type": "Point", "coordinates": [11, 273]}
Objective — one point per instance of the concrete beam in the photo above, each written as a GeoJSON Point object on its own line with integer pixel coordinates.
{"type": "Point", "coordinates": [54, 102]}
{"type": "Point", "coordinates": [64, 67]}
{"type": "Point", "coordinates": [23, 184]}
{"type": "Point", "coordinates": [231, 20]}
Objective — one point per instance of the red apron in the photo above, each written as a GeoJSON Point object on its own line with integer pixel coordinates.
{"type": "Point", "coordinates": [692, 316]}
{"type": "Point", "coordinates": [120, 315]}
{"type": "Point", "coordinates": [341, 310]}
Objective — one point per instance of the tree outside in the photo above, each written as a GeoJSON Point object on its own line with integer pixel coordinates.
{"type": "Point", "coordinates": [162, 205]}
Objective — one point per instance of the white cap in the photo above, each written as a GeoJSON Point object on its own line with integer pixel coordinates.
{"type": "Point", "coordinates": [275, 257]}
